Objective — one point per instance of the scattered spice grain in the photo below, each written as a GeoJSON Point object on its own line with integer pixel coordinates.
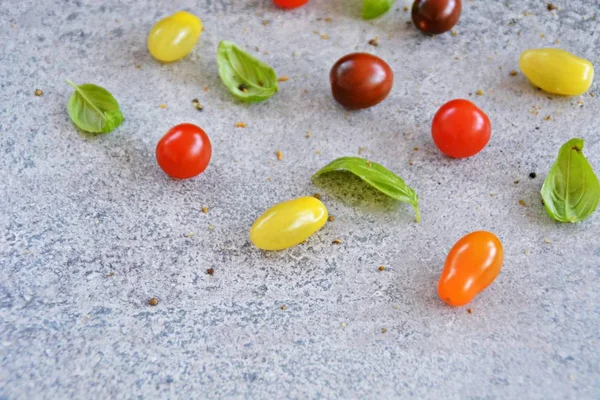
{"type": "Point", "coordinates": [374, 41]}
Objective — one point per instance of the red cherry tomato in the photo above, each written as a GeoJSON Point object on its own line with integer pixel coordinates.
{"type": "Point", "coordinates": [290, 3]}
{"type": "Point", "coordinates": [472, 265]}
{"type": "Point", "coordinates": [460, 129]}
{"type": "Point", "coordinates": [184, 151]}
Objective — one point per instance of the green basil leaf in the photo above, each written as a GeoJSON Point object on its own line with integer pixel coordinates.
{"type": "Point", "coordinates": [246, 77]}
{"type": "Point", "coordinates": [93, 109]}
{"type": "Point", "coordinates": [376, 8]}
{"type": "Point", "coordinates": [571, 191]}
{"type": "Point", "coordinates": [377, 176]}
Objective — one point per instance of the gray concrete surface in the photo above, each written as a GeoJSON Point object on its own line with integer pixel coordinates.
{"type": "Point", "coordinates": [90, 227]}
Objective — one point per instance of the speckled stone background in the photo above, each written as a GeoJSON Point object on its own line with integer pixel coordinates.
{"type": "Point", "coordinates": [91, 228]}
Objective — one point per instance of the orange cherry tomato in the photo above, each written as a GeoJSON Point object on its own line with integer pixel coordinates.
{"type": "Point", "coordinates": [472, 265]}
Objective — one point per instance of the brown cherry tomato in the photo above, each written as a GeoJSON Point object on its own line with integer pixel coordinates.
{"type": "Point", "coordinates": [472, 265]}
{"type": "Point", "coordinates": [435, 16]}
{"type": "Point", "coordinates": [360, 80]}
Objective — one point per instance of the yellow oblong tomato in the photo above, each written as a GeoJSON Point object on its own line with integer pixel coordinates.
{"type": "Point", "coordinates": [472, 265]}
{"type": "Point", "coordinates": [288, 223]}
{"type": "Point", "coordinates": [557, 71]}
{"type": "Point", "coordinates": [174, 37]}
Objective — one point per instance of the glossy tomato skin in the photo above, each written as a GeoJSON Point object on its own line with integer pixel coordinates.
{"type": "Point", "coordinates": [557, 71]}
{"type": "Point", "coordinates": [184, 151]}
{"type": "Point", "coordinates": [460, 129]}
{"type": "Point", "coordinates": [471, 266]}
{"type": "Point", "coordinates": [360, 80]}
{"type": "Point", "coordinates": [290, 3]}
{"type": "Point", "coordinates": [436, 16]}
{"type": "Point", "coordinates": [174, 37]}
{"type": "Point", "coordinates": [288, 223]}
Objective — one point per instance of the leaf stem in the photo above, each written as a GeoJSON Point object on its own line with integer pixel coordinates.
{"type": "Point", "coordinates": [82, 94]}
{"type": "Point", "coordinates": [418, 217]}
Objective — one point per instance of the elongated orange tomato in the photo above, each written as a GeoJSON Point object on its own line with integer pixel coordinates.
{"type": "Point", "coordinates": [472, 265]}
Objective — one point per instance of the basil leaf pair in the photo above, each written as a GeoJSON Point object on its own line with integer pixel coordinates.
{"type": "Point", "coordinates": [376, 8]}
{"type": "Point", "coordinates": [246, 77]}
{"type": "Point", "coordinates": [571, 191]}
{"type": "Point", "coordinates": [93, 109]}
{"type": "Point", "coordinates": [378, 177]}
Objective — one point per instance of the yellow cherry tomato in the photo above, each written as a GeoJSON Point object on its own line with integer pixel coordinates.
{"type": "Point", "coordinates": [288, 223]}
{"type": "Point", "coordinates": [174, 37]}
{"type": "Point", "coordinates": [557, 71]}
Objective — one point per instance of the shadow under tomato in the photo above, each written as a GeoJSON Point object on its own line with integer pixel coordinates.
{"type": "Point", "coordinates": [354, 192]}
{"type": "Point", "coordinates": [519, 85]}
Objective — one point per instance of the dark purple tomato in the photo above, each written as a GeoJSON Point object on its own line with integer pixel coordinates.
{"type": "Point", "coordinates": [436, 16]}
{"type": "Point", "coordinates": [360, 80]}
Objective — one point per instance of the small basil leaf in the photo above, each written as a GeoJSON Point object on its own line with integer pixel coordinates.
{"type": "Point", "coordinates": [246, 77]}
{"type": "Point", "coordinates": [571, 191]}
{"type": "Point", "coordinates": [93, 109]}
{"type": "Point", "coordinates": [377, 176]}
{"type": "Point", "coordinates": [376, 8]}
